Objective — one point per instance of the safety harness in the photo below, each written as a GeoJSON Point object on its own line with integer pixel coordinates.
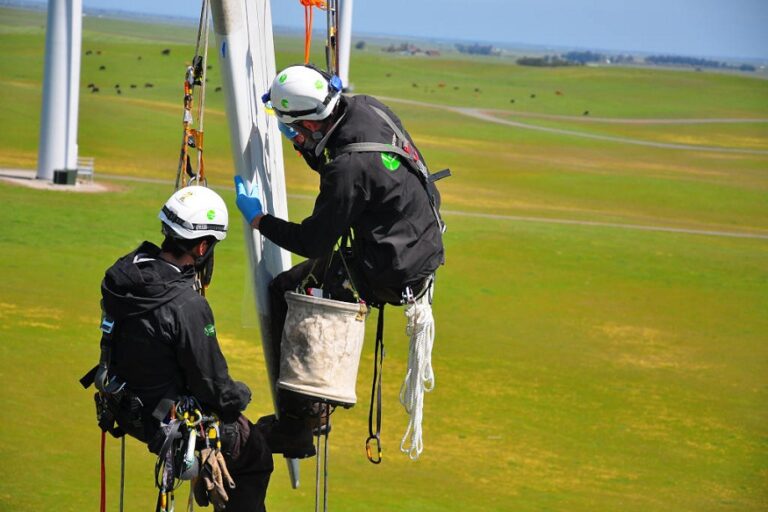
{"type": "Point", "coordinates": [420, 328]}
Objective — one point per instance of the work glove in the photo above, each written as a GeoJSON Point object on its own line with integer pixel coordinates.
{"type": "Point", "coordinates": [248, 203]}
{"type": "Point", "coordinates": [209, 487]}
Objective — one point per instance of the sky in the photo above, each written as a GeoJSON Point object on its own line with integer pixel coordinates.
{"type": "Point", "coordinates": [701, 28]}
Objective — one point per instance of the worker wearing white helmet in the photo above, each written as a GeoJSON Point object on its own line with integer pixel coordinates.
{"type": "Point", "coordinates": [160, 344]}
{"type": "Point", "coordinates": [375, 191]}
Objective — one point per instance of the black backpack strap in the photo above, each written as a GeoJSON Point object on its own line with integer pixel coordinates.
{"type": "Point", "coordinates": [411, 163]}
{"type": "Point", "coordinates": [439, 175]}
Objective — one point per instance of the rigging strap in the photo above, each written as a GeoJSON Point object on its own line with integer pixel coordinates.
{"type": "Point", "coordinates": [378, 365]}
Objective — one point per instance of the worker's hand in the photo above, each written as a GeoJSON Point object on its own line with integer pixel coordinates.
{"type": "Point", "coordinates": [213, 476]}
{"type": "Point", "coordinates": [248, 202]}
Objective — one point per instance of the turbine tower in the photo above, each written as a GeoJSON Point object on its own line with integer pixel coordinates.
{"type": "Point", "coordinates": [345, 40]}
{"type": "Point", "coordinates": [61, 89]}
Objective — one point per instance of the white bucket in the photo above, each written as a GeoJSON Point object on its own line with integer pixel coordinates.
{"type": "Point", "coordinates": [321, 346]}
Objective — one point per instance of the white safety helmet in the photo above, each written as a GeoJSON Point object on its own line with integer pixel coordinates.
{"type": "Point", "coordinates": [195, 212]}
{"type": "Point", "coordinates": [303, 93]}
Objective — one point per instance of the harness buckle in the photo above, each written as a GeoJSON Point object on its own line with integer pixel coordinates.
{"type": "Point", "coordinates": [408, 297]}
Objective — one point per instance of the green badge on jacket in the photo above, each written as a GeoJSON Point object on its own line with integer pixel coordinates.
{"type": "Point", "coordinates": [390, 161]}
{"type": "Point", "coordinates": [209, 330]}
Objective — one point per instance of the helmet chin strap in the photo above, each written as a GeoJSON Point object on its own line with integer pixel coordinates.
{"type": "Point", "coordinates": [204, 265]}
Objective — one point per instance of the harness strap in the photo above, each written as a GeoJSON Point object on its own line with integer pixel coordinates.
{"type": "Point", "coordinates": [122, 471]}
{"type": "Point", "coordinates": [378, 365]}
{"type": "Point", "coordinates": [103, 500]}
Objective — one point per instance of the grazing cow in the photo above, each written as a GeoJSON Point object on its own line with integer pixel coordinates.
{"type": "Point", "coordinates": [167, 51]}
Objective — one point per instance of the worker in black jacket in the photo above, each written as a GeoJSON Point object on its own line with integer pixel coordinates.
{"type": "Point", "coordinates": [375, 197]}
{"type": "Point", "coordinates": [163, 342]}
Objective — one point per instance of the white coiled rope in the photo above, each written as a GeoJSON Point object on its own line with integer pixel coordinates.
{"type": "Point", "coordinates": [420, 378]}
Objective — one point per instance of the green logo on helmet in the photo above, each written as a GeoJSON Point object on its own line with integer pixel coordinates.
{"type": "Point", "coordinates": [390, 161]}
{"type": "Point", "coordinates": [209, 330]}
{"type": "Point", "coordinates": [284, 103]}
{"type": "Point", "coordinates": [211, 214]}
{"type": "Point", "coordinates": [319, 84]}
{"type": "Point", "coordinates": [282, 78]}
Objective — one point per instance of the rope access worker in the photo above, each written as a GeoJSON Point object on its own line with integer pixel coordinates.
{"type": "Point", "coordinates": [375, 198]}
{"type": "Point", "coordinates": [161, 344]}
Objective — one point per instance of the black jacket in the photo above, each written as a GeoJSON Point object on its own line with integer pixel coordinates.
{"type": "Point", "coordinates": [164, 342]}
{"type": "Point", "coordinates": [397, 239]}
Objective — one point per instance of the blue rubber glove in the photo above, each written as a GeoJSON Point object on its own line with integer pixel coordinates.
{"type": "Point", "coordinates": [248, 203]}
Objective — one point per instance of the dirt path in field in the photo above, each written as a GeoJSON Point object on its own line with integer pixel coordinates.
{"type": "Point", "coordinates": [27, 178]}
{"type": "Point", "coordinates": [636, 227]}
{"type": "Point", "coordinates": [488, 116]}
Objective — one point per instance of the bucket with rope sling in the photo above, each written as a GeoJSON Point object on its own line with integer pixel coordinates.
{"type": "Point", "coordinates": [321, 344]}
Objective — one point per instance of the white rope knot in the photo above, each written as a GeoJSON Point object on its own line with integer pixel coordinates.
{"type": "Point", "coordinates": [419, 378]}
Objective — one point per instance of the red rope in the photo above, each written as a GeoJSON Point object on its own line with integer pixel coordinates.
{"type": "Point", "coordinates": [103, 507]}
{"type": "Point", "coordinates": [308, 4]}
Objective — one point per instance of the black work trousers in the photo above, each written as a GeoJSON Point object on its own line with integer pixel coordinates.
{"type": "Point", "coordinates": [249, 461]}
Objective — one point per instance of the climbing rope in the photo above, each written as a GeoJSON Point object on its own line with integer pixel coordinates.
{"type": "Point", "coordinates": [195, 75]}
{"type": "Point", "coordinates": [419, 378]}
{"type": "Point", "coordinates": [308, 16]}
{"type": "Point", "coordinates": [331, 47]}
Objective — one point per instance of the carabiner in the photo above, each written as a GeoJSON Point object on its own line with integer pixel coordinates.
{"type": "Point", "coordinates": [368, 449]}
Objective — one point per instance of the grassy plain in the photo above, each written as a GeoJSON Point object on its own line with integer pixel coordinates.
{"type": "Point", "coordinates": [579, 368]}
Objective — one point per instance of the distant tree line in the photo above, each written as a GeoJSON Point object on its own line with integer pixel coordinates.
{"type": "Point", "coordinates": [585, 57]}
{"type": "Point", "coordinates": [574, 59]}
{"type": "Point", "coordinates": [580, 58]}
{"type": "Point", "coordinates": [551, 61]}
{"type": "Point", "coordinates": [409, 49]}
{"type": "Point", "coordinates": [674, 60]}
{"type": "Point", "coordinates": [478, 49]}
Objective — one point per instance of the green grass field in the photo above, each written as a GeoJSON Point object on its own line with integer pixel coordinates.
{"type": "Point", "coordinates": [579, 367]}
